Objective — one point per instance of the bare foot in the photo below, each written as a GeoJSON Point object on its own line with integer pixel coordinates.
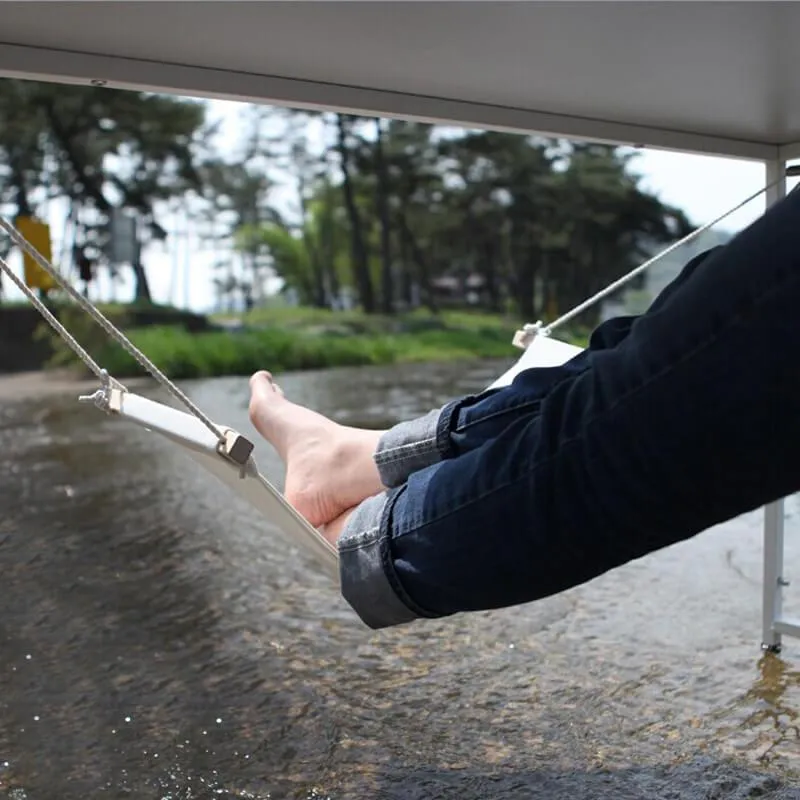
{"type": "Point", "coordinates": [329, 467]}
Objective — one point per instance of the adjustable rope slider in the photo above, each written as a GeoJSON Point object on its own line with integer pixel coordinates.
{"type": "Point", "coordinates": [524, 338]}
{"type": "Point", "coordinates": [108, 397]}
{"type": "Point", "coordinates": [237, 449]}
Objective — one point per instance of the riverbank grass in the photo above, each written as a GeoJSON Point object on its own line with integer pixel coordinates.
{"type": "Point", "coordinates": [291, 339]}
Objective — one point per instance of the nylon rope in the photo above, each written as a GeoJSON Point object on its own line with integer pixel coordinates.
{"type": "Point", "coordinates": [90, 363]}
{"type": "Point", "coordinates": [115, 333]}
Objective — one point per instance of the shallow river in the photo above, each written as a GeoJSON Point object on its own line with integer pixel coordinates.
{"type": "Point", "coordinates": [158, 641]}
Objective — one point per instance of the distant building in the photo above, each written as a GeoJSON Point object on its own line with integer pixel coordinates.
{"type": "Point", "coordinates": [459, 290]}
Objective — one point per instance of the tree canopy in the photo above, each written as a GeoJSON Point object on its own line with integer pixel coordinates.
{"type": "Point", "coordinates": [344, 210]}
{"type": "Point", "coordinates": [101, 150]}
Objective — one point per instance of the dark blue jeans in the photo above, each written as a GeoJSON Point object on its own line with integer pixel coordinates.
{"type": "Point", "coordinates": [469, 422]}
{"type": "Point", "coordinates": [670, 423]}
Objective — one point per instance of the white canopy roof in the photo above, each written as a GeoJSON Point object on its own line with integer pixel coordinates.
{"type": "Point", "coordinates": [715, 77]}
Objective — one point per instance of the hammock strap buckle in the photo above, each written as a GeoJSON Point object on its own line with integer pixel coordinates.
{"type": "Point", "coordinates": [236, 448]}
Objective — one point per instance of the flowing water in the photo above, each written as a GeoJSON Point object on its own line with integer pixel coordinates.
{"type": "Point", "coordinates": [158, 641]}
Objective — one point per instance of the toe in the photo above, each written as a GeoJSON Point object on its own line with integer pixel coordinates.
{"type": "Point", "coordinates": [262, 395]}
{"type": "Point", "coordinates": [259, 378]}
{"type": "Point", "coordinates": [263, 381]}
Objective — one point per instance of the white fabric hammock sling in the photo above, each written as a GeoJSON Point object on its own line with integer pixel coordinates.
{"type": "Point", "coordinates": [225, 452]}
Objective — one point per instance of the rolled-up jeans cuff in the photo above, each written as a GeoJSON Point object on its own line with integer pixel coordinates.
{"type": "Point", "coordinates": [369, 582]}
{"type": "Point", "coordinates": [409, 447]}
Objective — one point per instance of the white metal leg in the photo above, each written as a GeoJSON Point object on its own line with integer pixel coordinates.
{"type": "Point", "coordinates": [772, 605]}
{"type": "Point", "coordinates": [773, 575]}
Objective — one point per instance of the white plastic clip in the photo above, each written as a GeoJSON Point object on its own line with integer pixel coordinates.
{"type": "Point", "coordinates": [524, 338]}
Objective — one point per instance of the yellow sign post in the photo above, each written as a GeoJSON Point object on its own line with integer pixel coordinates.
{"type": "Point", "coordinates": [36, 233]}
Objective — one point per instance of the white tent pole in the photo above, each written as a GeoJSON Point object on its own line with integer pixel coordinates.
{"type": "Point", "coordinates": [772, 606]}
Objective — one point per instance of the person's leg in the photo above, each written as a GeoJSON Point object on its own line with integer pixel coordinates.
{"type": "Point", "coordinates": [467, 423]}
{"type": "Point", "coordinates": [691, 420]}
{"type": "Point", "coordinates": [336, 467]}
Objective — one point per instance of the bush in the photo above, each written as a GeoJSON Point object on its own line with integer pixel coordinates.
{"type": "Point", "coordinates": [352, 341]}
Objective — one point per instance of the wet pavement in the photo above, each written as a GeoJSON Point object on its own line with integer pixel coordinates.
{"type": "Point", "coordinates": [158, 641]}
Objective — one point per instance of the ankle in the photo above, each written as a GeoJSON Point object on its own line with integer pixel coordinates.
{"type": "Point", "coordinates": [356, 449]}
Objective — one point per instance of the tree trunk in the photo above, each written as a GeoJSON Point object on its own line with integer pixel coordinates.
{"type": "Point", "coordinates": [406, 275]}
{"type": "Point", "coordinates": [21, 192]}
{"type": "Point", "coordinates": [141, 291]}
{"type": "Point", "coordinates": [332, 282]}
{"type": "Point", "coordinates": [92, 187]}
{"type": "Point", "coordinates": [422, 265]}
{"type": "Point", "coordinates": [327, 254]}
{"type": "Point", "coordinates": [524, 287]}
{"type": "Point", "coordinates": [382, 207]}
{"type": "Point", "coordinates": [24, 208]}
{"type": "Point", "coordinates": [319, 297]}
{"type": "Point", "coordinates": [490, 276]}
{"type": "Point", "coordinates": [525, 265]}
{"type": "Point", "coordinates": [361, 274]}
